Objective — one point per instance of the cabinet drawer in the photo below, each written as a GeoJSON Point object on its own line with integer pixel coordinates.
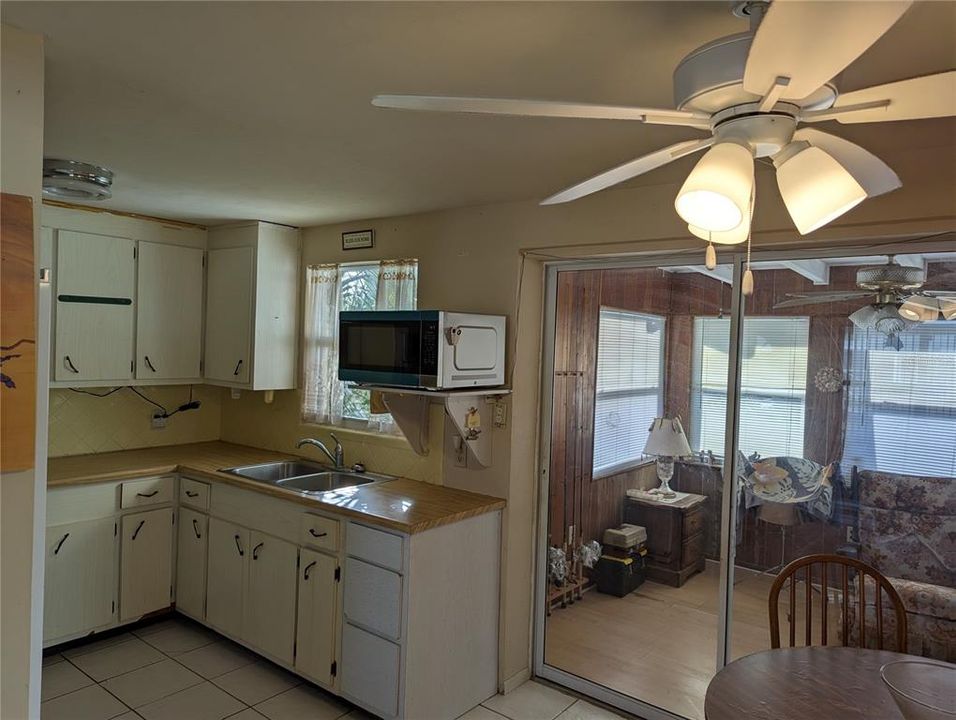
{"type": "Point", "coordinates": [380, 548]}
{"type": "Point", "coordinates": [373, 598]}
{"type": "Point", "coordinates": [370, 670]}
{"type": "Point", "coordinates": [692, 550]}
{"type": "Point", "coordinates": [319, 532]}
{"type": "Point", "coordinates": [149, 491]}
{"type": "Point", "coordinates": [693, 522]}
{"type": "Point", "coordinates": [194, 493]}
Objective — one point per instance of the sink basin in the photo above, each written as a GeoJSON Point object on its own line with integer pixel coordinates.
{"type": "Point", "coordinates": [304, 476]}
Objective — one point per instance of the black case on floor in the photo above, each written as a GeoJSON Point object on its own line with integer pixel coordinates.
{"type": "Point", "coordinates": [614, 577]}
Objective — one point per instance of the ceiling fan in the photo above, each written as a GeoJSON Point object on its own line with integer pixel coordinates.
{"type": "Point", "coordinates": [899, 300]}
{"type": "Point", "coordinates": [749, 92]}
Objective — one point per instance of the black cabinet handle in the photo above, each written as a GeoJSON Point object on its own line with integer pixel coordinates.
{"type": "Point", "coordinates": [313, 533]}
{"type": "Point", "coordinates": [196, 529]}
{"type": "Point", "coordinates": [308, 568]}
{"type": "Point", "coordinates": [238, 546]}
{"type": "Point", "coordinates": [148, 363]}
{"type": "Point", "coordinates": [70, 364]}
{"type": "Point", "coordinates": [138, 528]}
{"type": "Point", "coordinates": [149, 494]}
{"type": "Point", "coordinates": [190, 493]}
{"type": "Point", "coordinates": [255, 551]}
{"type": "Point", "coordinates": [60, 544]}
{"type": "Point", "coordinates": [238, 365]}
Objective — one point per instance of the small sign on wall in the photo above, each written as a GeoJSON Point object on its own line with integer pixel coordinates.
{"type": "Point", "coordinates": [358, 239]}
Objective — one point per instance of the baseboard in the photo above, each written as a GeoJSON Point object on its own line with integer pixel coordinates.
{"type": "Point", "coordinates": [516, 680]}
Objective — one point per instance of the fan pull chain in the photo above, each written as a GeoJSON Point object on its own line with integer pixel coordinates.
{"type": "Point", "coordinates": [711, 255]}
{"type": "Point", "coordinates": [747, 284]}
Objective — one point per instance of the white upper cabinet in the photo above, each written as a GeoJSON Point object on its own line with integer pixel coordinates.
{"type": "Point", "coordinates": [252, 300]}
{"type": "Point", "coordinates": [169, 312]}
{"type": "Point", "coordinates": [95, 303]}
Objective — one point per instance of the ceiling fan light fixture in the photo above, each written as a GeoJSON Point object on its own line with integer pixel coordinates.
{"type": "Point", "coordinates": [715, 197]}
{"type": "Point", "coordinates": [73, 180]}
{"type": "Point", "coordinates": [920, 309]}
{"type": "Point", "coordinates": [729, 237]}
{"type": "Point", "coordinates": [815, 188]}
{"type": "Point", "coordinates": [947, 307]}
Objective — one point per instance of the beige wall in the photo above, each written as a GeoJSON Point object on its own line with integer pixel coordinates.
{"type": "Point", "coordinates": [22, 494]}
{"type": "Point", "coordinates": [81, 423]}
{"type": "Point", "coordinates": [471, 259]}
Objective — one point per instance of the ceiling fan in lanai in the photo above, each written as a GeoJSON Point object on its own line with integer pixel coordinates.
{"type": "Point", "coordinates": [749, 94]}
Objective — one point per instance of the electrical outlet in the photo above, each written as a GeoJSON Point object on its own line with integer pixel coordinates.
{"type": "Point", "coordinates": [500, 418]}
{"type": "Point", "coordinates": [461, 453]}
{"type": "Point", "coordinates": [158, 421]}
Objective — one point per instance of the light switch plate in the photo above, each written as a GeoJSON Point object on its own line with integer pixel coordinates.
{"type": "Point", "coordinates": [500, 416]}
{"type": "Point", "coordinates": [158, 421]}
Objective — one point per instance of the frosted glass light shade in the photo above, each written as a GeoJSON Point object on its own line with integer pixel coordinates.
{"type": "Point", "coordinates": [816, 189]}
{"type": "Point", "coordinates": [920, 309]}
{"type": "Point", "coordinates": [948, 308]}
{"type": "Point", "coordinates": [728, 237]}
{"type": "Point", "coordinates": [716, 194]}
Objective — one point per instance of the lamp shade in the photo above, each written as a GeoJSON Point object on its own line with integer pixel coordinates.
{"type": "Point", "coordinates": [816, 188]}
{"type": "Point", "coordinates": [716, 195]}
{"type": "Point", "coordinates": [666, 437]}
{"type": "Point", "coordinates": [728, 237]}
{"type": "Point", "coordinates": [947, 306]}
{"type": "Point", "coordinates": [920, 309]}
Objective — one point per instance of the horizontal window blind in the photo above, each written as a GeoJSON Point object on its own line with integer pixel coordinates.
{"type": "Point", "coordinates": [773, 385]}
{"type": "Point", "coordinates": [901, 414]}
{"type": "Point", "coordinates": [629, 393]}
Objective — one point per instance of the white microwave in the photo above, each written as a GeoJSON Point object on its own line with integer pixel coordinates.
{"type": "Point", "coordinates": [430, 349]}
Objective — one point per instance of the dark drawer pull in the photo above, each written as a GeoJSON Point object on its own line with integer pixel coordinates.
{"type": "Point", "coordinates": [149, 494]}
{"type": "Point", "coordinates": [190, 493]}
{"type": "Point", "coordinates": [308, 568]}
{"type": "Point", "coordinates": [238, 546]}
{"type": "Point", "coordinates": [138, 528]}
{"type": "Point", "coordinates": [70, 364]}
{"type": "Point", "coordinates": [148, 363]}
{"type": "Point", "coordinates": [314, 534]}
{"type": "Point", "coordinates": [60, 544]}
{"type": "Point", "coordinates": [255, 551]}
{"type": "Point", "coordinates": [196, 529]}
{"type": "Point", "coordinates": [238, 365]}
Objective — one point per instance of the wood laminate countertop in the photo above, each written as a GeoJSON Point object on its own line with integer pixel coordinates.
{"type": "Point", "coordinates": [406, 505]}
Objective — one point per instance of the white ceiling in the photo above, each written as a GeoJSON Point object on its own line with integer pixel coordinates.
{"type": "Point", "coordinates": [220, 111]}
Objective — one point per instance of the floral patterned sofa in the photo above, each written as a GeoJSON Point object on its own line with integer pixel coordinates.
{"type": "Point", "coordinates": [907, 531]}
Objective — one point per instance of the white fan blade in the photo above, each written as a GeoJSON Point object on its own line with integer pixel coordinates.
{"type": "Point", "coordinates": [811, 42]}
{"type": "Point", "coordinates": [874, 175]}
{"type": "Point", "coordinates": [542, 108]}
{"type": "Point", "coordinates": [628, 170]}
{"type": "Point", "coordinates": [914, 99]}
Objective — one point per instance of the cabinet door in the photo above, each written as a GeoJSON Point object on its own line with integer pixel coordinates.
{"type": "Point", "coordinates": [191, 563]}
{"type": "Point", "coordinates": [146, 548]}
{"type": "Point", "coordinates": [94, 307]}
{"type": "Point", "coordinates": [225, 583]}
{"type": "Point", "coordinates": [269, 608]}
{"type": "Point", "coordinates": [80, 581]}
{"type": "Point", "coordinates": [229, 294]}
{"type": "Point", "coordinates": [371, 668]}
{"type": "Point", "coordinates": [168, 312]}
{"type": "Point", "coordinates": [315, 632]}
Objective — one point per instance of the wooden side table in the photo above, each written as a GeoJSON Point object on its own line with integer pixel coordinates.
{"type": "Point", "coordinates": [675, 536]}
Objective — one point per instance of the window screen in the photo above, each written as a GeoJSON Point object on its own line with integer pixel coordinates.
{"type": "Point", "coordinates": [629, 386]}
{"type": "Point", "coordinates": [773, 385]}
{"type": "Point", "coordinates": [901, 413]}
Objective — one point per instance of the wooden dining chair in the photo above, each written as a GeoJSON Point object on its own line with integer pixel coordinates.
{"type": "Point", "coordinates": [845, 568]}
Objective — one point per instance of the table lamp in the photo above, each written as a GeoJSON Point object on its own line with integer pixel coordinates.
{"type": "Point", "coordinates": [666, 440]}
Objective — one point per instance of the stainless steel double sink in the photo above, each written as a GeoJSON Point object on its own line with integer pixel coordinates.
{"type": "Point", "coordinates": [305, 476]}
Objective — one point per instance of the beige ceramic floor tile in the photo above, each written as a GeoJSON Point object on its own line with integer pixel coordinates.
{"type": "Point", "coordinates": [90, 703]}
{"type": "Point", "coordinates": [61, 678]}
{"type": "Point", "coordinates": [52, 659]}
{"type": "Point", "coordinates": [257, 682]}
{"type": "Point", "coordinates": [200, 702]}
{"type": "Point", "coordinates": [216, 659]}
{"type": "Point", "coordinates": [531, 701]}
{"type": "Point", "coordinates": [478, 713]}
{"type": "Point", "coordinates": [94, 645]}
{"type": "Point", "coordinates": [359, 714]}
{"type": "Point", "coordinates": [303, 703]}
{"type": "Point", "coordinates": [152, 682]}
{"type": "Point", "coordinates": [131, 715]}
{"type": "Point", "coordinates": [117, 659]}
{"type": "Point", "coordinates": [177, 638]}
{"type": "Point", "coordinates": [582, 710]}
{"type": "Point", "coordinates": [247, 714]}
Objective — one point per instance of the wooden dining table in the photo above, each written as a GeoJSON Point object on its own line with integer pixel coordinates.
{"type": "Point", "coordinates": [805, 683]}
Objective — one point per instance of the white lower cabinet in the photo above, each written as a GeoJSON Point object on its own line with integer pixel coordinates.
{"type": "Point", "coordinates": [146, 563]}
{"type": "Point", "coordinates": [370, 670]}
{"type": "Point", "coordinates": [269, 605]}
{"type": "Point", "coordinates": [225, 584]}
{"type": "Point", "coordinates": [318, 608]}
{"type": "Point", "coordinates": [80, 583]}
{"type": "Point", "coordinates": [193, 542]}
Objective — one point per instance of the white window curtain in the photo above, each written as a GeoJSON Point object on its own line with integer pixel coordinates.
{"type": "Point", "coordinates": [386, 285]}
{"type": "Point", "coordinates": [901, 408]}
{"type": "Point", "coordinates": [629, 392]}
{"type": "Point", "coordinates": [773, 382]}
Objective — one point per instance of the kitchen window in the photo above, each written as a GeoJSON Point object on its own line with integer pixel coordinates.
{"type": "Point", "coordinates": [330, 289]}
{"type": "Point", "coordinates": [629, 389]}
{"type": "Point", "coordinates": [773, 384]}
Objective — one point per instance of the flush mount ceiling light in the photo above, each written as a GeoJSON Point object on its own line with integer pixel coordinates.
{"type": "Point", "coordinates": [72, 180]}
{"type": "Point", "coordinates": [752, 90]}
